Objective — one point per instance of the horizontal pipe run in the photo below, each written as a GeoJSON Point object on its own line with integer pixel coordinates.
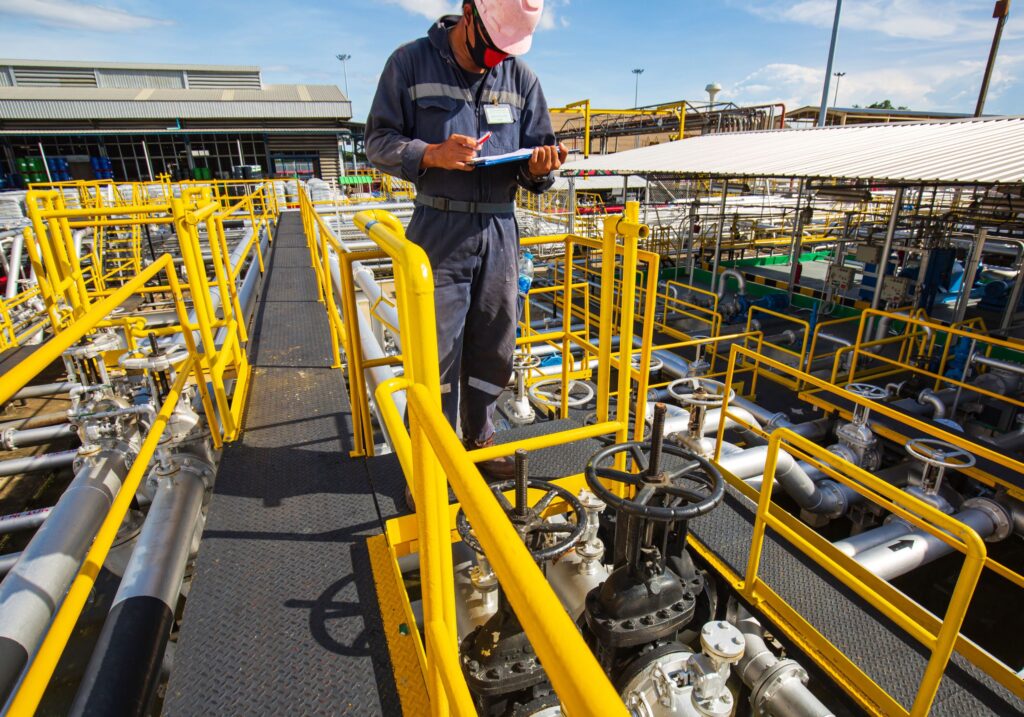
{"type": "Point", "coordinates": [38, 421]}
{"type": "Point", "coordinates": [14, 438]}
{"type": "Point", "coordinates": [25, 520]}
{"type": "Point", "coordinates": [46, 389]}
{"type": "Point", "coordinates": [37, 464]}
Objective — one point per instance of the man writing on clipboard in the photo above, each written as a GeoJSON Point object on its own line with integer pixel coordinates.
{"type": "Point", "coordinates": [445, 103]}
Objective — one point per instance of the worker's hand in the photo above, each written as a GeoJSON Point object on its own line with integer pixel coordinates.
{"type": "Point", "coordinates": [546, 160]}
{"type": "Point", "coordinates": [453, 153]}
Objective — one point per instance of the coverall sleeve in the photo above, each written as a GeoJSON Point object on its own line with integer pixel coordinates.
{"type": "Point", "coordinates": [389, 146]}
{"type": "Point", "coordinates": [535, 121]}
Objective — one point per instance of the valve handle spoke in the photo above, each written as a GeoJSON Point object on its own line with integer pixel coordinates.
{"type": "Point", "coordinates": [552, 528]}
{"type": "Point", "coordinates": [544, 502]}
{"type": "Point", "coordinates": [620, 476]}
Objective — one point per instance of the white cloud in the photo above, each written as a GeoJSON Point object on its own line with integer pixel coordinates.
{"type": "Point", "coordinates": [910, 19]}
{"type": "Point", "coordinates": [950, 86]}
{"type": "Point", "coordinates": [430, 9]}
{"type": "Point", "coordinates": [78, 15]}
{"type": "Point", "coordinates": [433, 9]}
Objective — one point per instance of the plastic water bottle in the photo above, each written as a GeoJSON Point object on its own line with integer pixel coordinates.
{"type": "Point", "coordinates": [525, 272]}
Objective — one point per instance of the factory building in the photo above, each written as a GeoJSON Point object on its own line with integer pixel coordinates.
{"type": "Point", "coordinates": [132, 122]}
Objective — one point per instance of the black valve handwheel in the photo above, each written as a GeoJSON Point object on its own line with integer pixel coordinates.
{"type": "Point", "coordinates": [529, 522]}
{"type": "Point", "coordinates": [653, 481]}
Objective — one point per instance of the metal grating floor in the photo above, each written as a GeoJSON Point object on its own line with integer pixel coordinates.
{"type": "Point", "coordinates": [282, 616]}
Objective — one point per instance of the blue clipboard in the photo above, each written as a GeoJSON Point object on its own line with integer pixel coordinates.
{"type": "Point", "coordinates": [520, 155]}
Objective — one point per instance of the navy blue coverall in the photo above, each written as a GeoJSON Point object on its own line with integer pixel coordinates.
{"type": "Point", "coordinates": [422, 98]}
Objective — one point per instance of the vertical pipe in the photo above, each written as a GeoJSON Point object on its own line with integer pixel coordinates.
{"type": "Point", "coordinates": [828, 68]}
{"type": "Point", "coordinates": [149, 162]}
{"type": "Point", "coordinates": [890, 232]}
{"type": "Point", "coordinates": [14, 264]}
{"type": "Point", "coordinates": [970, 272]}
{"type": "Point", "coordinates": [46, 166]}
{"type": "Point", "coordinates": [1014, 299]}
{"type": "Point", "coordinates": [572, 208]}
{"type": "Point", "coordinates": [718, 237]}
{"type": "Point", "coordinates": [798, 239]}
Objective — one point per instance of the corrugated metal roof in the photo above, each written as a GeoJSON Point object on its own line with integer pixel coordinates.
{"type": "Point", "coordinates": [270, 93]}
{"type": "Point", "coordinates": [128, 65]}
{"type": "Point", "coordinates": [79, 110]}
{"type": "Point", "coordinates": [972, 151]}
{"type": "Point", "coordinates": [172, 131]}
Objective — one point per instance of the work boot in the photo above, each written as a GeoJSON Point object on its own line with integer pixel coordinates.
{"type": "Point", "coordinates": [496, 469]}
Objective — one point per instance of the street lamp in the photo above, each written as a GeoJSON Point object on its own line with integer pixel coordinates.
{"type": "Point", "coordinates": [828, 67]}
{"type": "Point", "coordinates": [636, 89]}
{"type": "Point", "coordinates": [344, 69]}
{"type": "Point", "coordinates": [835, 98]}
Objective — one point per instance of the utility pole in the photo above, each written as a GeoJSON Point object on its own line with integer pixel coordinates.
{"type": "Point", "coordinates": [344, 69]}
{"type": "Point", "coordinates": [1000, 13]}
{"type": "Point", "coordinates": [835, 98]}
{"type": "Point", "coordinates": [636, 89]}
{"type": "Point", "coordinates": [828, 68]}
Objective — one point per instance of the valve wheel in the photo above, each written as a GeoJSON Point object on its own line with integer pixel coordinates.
{"type": "Point", "coordinates": [933, 452]}
{"type": "Point", "coordinates": [702, 391]}
{"type": "Point", "coordinates": [528, 520]}
{"type": "Point", "coordinates": [525, 362]}
{"type": "Point", "coordinates": [656, 364]}
{"type": "Point", "coordinates": [548, 393]}
{"type": "Point", "coordinates": [652, 482]}
{"type": "Point", "coordinates": [867, 390]}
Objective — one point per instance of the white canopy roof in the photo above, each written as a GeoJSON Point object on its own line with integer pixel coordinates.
{"type": "Point", "coordinates": [971, 151]}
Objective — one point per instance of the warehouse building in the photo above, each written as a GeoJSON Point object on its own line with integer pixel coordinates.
{"type": "Point", "coordinates": [86, 120]}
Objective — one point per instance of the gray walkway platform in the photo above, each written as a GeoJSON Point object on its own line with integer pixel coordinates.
{"type": "Point", "coordinates": [282, 616]}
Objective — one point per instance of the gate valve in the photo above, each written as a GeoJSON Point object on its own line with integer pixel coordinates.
{"type": "Point", "coordinates": [518, 408]}
{"type": "Point", "coordinates": [857, 443]}
{"type": "Point", "coordinates": [936, 456]}
{"type": "Point", "coordinates": [660, 495]}
{"type": "Point", "coordinates": [698, 395]}
{"type": "Point", "coordinates": [546, 539]}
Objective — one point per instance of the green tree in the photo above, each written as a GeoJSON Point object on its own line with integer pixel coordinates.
{"type": "Point", "coordinates": [885, 105]}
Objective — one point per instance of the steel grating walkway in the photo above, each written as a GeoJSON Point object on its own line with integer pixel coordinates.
{"type": "Point", "coordinates": [282, 616]}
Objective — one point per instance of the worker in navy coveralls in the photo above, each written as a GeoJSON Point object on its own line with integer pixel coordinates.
{"type": "Point", "coordinates": [437, 96]}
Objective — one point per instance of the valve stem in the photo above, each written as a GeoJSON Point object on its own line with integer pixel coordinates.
{"type": "Point", "coordinates": [521, 483]}
{"type": "Point", "coordinates": [657, 439]}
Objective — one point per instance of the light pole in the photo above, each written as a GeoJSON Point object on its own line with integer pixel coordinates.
{"type": "Point", "coordinates": [344, 69]}
{"type": "Point", "coordinates": [835, 98]}
{"type": "Point", "coordinates": [828, 68]}
{"type": "Point", "coordinates": [636, 88]}
{"type": "Point", "coordinates": [1001, 11]}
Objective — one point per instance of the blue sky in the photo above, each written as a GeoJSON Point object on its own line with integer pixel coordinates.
{"type": "Point", "coordinates": [926, 54]}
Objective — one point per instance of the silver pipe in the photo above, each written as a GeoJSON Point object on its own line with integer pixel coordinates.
{"type": "Point", "coordinates": [776, 686]}
{"type": "Point", "coordinates": [898, 556]}
{"type": "Point", "coordinates": [928, 397]}
{"type": "Point", "coordinates": [969, 274]}
{"type": "Point", "coordinates": [890, 233]}
{"type": "Point", "coordinates": [32, 591]}
{"type": "Point", "coordinates": [741, 281]}
{"type": "Point", "coordinates": [45, 389]}
{"type": "Point", "coordinates": [13, 439]}
{"type": "Point", "coordinates": [718, 236]}
{"type": "Point", "coordinates": [14, 263]}
{"type": "Point", "coordinates": [989, 362]}
{"type": "Point", "coordinates": [872, 538]}
{"type": "Point", "coordinates": [8, 561]}
{"type": "Point", "coordinates": [37, 464]}
{"type": "Point", "coordinates": [384, 311]}
{"type": "Point", "coordinates": [26, 520]}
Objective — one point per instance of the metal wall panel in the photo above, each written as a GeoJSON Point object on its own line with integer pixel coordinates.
{"type": "Point", "coordinates": [202, 80]}
{"type": "Point", "coordinates": [141, 79]}
{"type": "Point", "coordinates": [86, 109]}
{"type": "Point", "coordinates": [55, 77]}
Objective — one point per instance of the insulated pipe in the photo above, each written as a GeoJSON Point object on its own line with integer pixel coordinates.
{"type": "Point", "coordinates": [14, 438]}
{"type": "Point", "coordinates": [741, 281]}
{"type": "Point", "coordinates": [37, 464]}
{"type": "Point", "coordinates": [7, 562]}
{"type": "Point", "coordinates": [989, 362]}
{"type": "Point", "coordinates": [928, 397]}
{"type": "Point", "coordinates": [883, 326]}
{"type": "Point", "coordinates": [898, 556]}
{"type": "Point", "coordinates": [45, 389]}
{"type": "Point", "coordinates": [26, 520]}
{"type": "Point", "coordinates": [38, 421]}
{"type": "Point", "coordinates": [776, 686]}
{"type": "Point", "coordinates": [14, 264]}
{"type": "Point", "coordinates": [856, 544]}
{"type": "Point", "coordinates": [366, 281]}
{"type": "Point", "coordinates": [125, 667]}
{"type": "Point", "coordinates": [32, 591]}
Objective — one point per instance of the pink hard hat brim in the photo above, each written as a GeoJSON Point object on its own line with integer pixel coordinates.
{"type": "Point", "coordinates": [510, 31]}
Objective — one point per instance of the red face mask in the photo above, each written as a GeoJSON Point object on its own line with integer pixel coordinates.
{"type": "Point", "coordinates": [483, 51]}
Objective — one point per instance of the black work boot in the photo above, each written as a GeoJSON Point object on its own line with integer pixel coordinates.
{"type": "Point", "coordinates": [496, 469]}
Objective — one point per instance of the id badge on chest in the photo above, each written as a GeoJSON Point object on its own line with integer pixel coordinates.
{"type": "Point", "coordinates": [498, 114]}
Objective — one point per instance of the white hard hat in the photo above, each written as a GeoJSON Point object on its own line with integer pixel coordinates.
{"type": "Point", "coordinates": [510, 23]}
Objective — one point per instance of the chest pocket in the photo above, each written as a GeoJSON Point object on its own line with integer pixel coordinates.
{"type": "Point", "coordinates": [504, 137]}
{"type": "Point", "coordinates": [435, 118]}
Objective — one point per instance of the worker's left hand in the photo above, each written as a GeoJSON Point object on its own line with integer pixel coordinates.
{"type": "Point", "coordinates": [546, 160]}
